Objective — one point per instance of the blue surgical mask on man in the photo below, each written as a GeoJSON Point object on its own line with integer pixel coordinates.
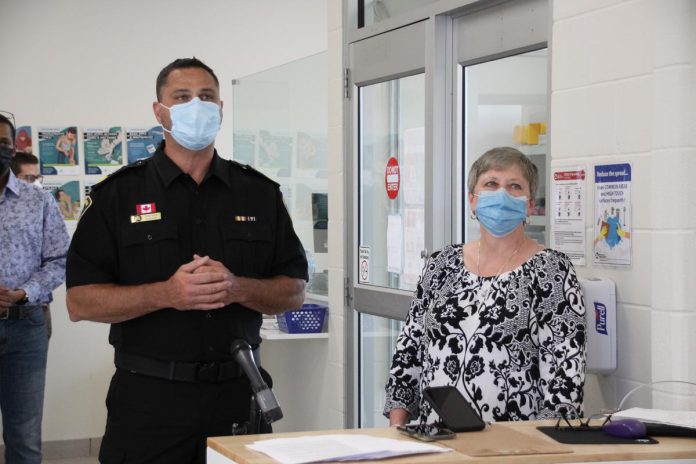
{"type": "Point", "coordinates": [195, 124]}
{"type": "Point", "coordinates": [499, 212]}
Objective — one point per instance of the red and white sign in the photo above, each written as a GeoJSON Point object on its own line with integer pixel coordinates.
{"type": "Point", "coordinates": [145, 208]}
{"type": "Point", "coordinates": [392, 178]}
{"type": "Point", "coordinates": [569, 175]}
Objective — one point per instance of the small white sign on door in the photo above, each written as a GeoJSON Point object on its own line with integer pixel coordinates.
{"type": "Point", "coordinates": [364, 265]}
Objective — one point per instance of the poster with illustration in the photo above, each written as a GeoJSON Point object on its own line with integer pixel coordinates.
{"type": "Point", "coordinates": [244, 148]}
{"type": "Point", "coordinates": [312, 152]}
{"type": "Point", "coordinates": [103, 149]}
{"type": "Point", "coordinates": [142, 142]}
{"type": "Point", "coordinates": [23, 140]}
{"type": "Point", "coordinates": [59, 151]}
{"type": "Point", "coordinates": [66, 192]}
{"type": "Point", "coordinates": [274, 154]}
{"type": "Point", "coordinates": [612, 215]}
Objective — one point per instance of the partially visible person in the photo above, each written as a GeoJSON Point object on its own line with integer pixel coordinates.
{"type": "Point", "coordinates": [501, 319]}
{"type": "Point", "coordinates": [34, 244]}
{"type": "Point", "coordinates": [66, 146]}
{"type": "Point", "coordinates": [25, 167]}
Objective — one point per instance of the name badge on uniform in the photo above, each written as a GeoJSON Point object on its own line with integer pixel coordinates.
{"type": "Point", "coordinates": [146, 212]}
{"type": "Point", "coordinates": [245, 218]}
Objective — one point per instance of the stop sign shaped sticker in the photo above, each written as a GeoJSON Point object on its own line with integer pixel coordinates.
{"type": "Point", "coordinates": [392, 178]}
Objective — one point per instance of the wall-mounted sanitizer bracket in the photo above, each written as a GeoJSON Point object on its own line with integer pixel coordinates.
{"type": "Point", "coordinates": [600, 306]}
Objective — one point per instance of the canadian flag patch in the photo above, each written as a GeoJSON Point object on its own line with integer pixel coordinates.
{"type": "Point", "coordinates": [145, 208]}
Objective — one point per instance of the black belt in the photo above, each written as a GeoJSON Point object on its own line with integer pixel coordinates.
{"type": "Point", "coordinates": [14, 313]}
{"type": "Point", "coordinates": [181, 371]}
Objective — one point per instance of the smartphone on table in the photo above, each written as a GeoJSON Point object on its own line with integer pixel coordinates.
{"type": "Point", "coordinates": [426, 432]}
{"type": "Point", "coordinates": [454, 410]}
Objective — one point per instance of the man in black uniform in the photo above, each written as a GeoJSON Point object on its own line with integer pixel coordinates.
{"type": "Point", "coordinates": [181, 253]}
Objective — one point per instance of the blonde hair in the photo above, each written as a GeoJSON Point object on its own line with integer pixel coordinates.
{"type": "Point", "coordinates": [501, 158]}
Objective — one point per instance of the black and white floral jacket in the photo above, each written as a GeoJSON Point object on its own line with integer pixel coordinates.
{"type": "Point", "coordinates": [514, 345]}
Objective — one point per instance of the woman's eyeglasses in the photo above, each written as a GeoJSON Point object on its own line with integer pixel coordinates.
{"type": "Point", "coordinates": [578, 424]}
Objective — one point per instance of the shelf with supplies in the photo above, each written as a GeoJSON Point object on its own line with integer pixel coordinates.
{"type": "Point", "coordinates": [270, 329]}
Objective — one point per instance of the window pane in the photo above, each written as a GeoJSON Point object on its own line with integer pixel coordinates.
{"type": "Point", "coordinates": [505, 104]}
{"type": "Point", "coordinates": [280, 129]}
{"type": "Point", "coordinates": [392, 181]}
{"type": "Point", "coordinates": [377, 341]}
{"type": "Point", "coordinates": [379, 10]}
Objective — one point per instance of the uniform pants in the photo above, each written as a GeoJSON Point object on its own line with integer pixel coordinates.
{"type": "Point", "coordinates": [152, 420]}
{"type": "Point", "coordinates": [23, 350]}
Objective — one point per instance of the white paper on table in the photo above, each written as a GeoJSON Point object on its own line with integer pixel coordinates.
{"type": "Point", "coordinates": [660, 416]}
{"type": "Point", "coordinates": [339, 448]}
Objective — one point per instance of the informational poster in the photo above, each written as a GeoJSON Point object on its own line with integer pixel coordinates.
{"type": "Point", "coordinates": [568, 232]}
{"type": "Point", "coordinates": [414, 243]}
{"type": "Point", "coordinates": [142, 142]}
{"type": "Point", "coordinates": [66, 192]}
{"type": "Point", "coordinates": [413, 168]}
{"type": "Point", "coordinates": [59, 151]}
{"type": "Point", "coordinates": [275, 152]}
{"type": "Point", "coordinates": [364, 265]}
{"type": "Point", "coordinates": [312, 151]}
{"type": "Point", "coordinates": [103, 149]}
{"type": "Point", "coordinates": [612, 214]}
{"type": "Point", "coordinates": [395, 243]}
{"type": "Point", "coordinates": [244, 148]}
{"type": "Point", "coordinates": [23, 140]}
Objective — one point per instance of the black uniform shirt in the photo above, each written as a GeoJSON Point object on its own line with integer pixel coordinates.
{"type": "Point", "coordinates": [235, 216]}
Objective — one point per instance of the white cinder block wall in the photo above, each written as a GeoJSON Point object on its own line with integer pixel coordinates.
{"type": "Point", "coordinates": [337, 260]}
{"type": "Point", "coordinates": [623, 78]}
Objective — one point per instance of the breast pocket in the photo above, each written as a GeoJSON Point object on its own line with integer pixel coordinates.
{"type": "Point", "coordinates": [248, 248]}
{"type": "Point", "coordinates": [149, 252]}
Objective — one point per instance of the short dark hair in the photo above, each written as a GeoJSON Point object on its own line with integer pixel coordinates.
{"type": "Point", "coordinates": [181, 63]}
{"type": "Point", "coordinates": [20, 159]}
{"type": "Point", "coordinates": [71, 130]}
{"type": "Point", "coordinates": [5, 120]}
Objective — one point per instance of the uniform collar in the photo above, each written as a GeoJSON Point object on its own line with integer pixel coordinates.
{"type": "Point", "coordinates": [168, 170]}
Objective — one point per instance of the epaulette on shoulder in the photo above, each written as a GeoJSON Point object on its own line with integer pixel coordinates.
{"type": "Point", "coordinates": [250, 170]}
{"type": "Point", "coordinates": [126, 168]}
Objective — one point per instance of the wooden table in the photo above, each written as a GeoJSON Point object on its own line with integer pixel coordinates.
{"type": "Point", "coordinates": [508, 442]}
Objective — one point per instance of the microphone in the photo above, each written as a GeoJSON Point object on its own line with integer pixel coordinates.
{"type": "Point", "coordinates": [241, 351]}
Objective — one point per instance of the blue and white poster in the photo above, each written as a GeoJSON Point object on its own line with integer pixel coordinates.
{"type": "Point", "coordinates": [612, 215]}
{"type": "Point", "coordinates": [58, 151]}
{"type": "Point", "coordinates": [142, 142]}
{"type": "Point", "coordinates": [103, 149]}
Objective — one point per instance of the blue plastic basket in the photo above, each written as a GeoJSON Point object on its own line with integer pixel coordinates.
{"type": "Point", "coordinates": [308, 319]}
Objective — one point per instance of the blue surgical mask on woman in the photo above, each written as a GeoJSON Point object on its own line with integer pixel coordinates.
{"type": "Point", "coordinates": [195, 124]}
{"type": "Point", "coordinates": [499, 212]}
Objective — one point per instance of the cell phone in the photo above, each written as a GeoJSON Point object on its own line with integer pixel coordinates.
{"type": "Point", "coordinates": [426, 432]}
{"type": "Point", "coordinates": [454, 410]}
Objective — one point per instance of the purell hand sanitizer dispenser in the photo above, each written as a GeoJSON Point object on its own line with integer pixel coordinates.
{"type": "Point", "coordinates": [600, 306]}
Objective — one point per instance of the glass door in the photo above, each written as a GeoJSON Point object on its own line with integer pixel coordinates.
{"type": "Point", "coordinates": [505, 104]}
{"type": "Point", "coordinates": [391, 219]}
{"type": "Point", "coordinates": [391, 182]}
